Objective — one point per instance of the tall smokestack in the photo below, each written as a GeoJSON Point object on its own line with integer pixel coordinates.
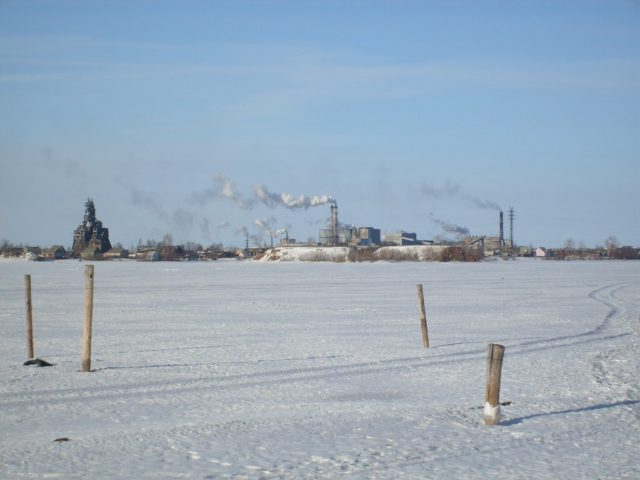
{"type": "Point", "coordinates": [501, 229]}
{"type": "Point", "coordinates": [334, 224]}
{"type": "Point", "coordinates": [511, 217]}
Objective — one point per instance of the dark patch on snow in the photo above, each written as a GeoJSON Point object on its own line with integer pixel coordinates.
{"type": "Point", "coordinates": [38, 362]}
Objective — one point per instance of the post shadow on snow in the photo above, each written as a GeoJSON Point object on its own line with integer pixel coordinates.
{"type": "Point", "coordinates": [217, 364]}
{"type": "Point", "coordinates": [600, 406]}
{"type": "Point", "coordinates": [483, 342]}
{"type": "Point", "coordinates": [103, 352]}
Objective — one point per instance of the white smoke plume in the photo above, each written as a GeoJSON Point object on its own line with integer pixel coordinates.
{"type": "Point", "coordinates": [273, 200]}
{"type": "Point", "coordinates": [266, 224]}
{"type": "Point", "coordinates": [227, 189]}
{"type": "Point", "coordinates": [244, 231]}
{"type": "Point", "coordinates": [224, 188]}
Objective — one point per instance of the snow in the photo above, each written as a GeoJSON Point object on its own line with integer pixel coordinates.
{"type": "Point", "coordinates": [491, 412]}
{"type": "Point", "coordinates": [420, 253]}
{"type": "Point", "coordinates": [295, 370]}
{"type": "Point", "coordinates": [306, 254]}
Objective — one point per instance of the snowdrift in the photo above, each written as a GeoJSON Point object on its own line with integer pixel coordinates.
{"type": "Point", "coordinates": [306, 254]}
{"type": "Point", "coordinates": [416, 253]}
{"type": "Point", "coordinates": [407, 253]}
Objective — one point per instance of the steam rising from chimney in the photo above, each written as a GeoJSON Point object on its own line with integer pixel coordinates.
{"type": "Point", "coordinates": [273, 200]}
{"type": "Point", "coordinates": [265, 224]}
{"type": "Point", "coordinates": [225, 188]}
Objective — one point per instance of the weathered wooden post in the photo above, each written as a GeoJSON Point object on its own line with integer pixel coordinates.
{"type": "Point", "coordinates": [423, 317]}
{"type": "Point", "coordinates": [28, 305]}
{"type": "Point", "coordinates": [88, 318]}
{"type": "Point", "coordinates": [495, 354]}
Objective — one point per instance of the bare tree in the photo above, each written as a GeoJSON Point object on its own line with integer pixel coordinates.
{"type": "Point", "coordinates": [167, 240]}
{"type": "Point", "coordinates": [611, 243]}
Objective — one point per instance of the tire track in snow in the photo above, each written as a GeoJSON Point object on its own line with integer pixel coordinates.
{"type": "Point", "coordinates": [613, 379]}
{"type": "Point", "coordinates": [278, 377]}
{"type": "Point", "coordinates": [299, 375]}
{"type": "Point", "coordinates": [614, 309]}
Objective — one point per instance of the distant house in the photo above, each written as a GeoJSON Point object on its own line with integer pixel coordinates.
{"type": "Point", "coordinates": [148, 255]}
{"type": "Point", "coordinates": [56, 252]}
{"type": "Point", "coordinates": [171, 252]}
{"type": "Point", "coordinates": [540, 252]}
{"type": "Point", "coordinates": [33, 257]}
{"type": "Point", "coordinates": [116, 253]}
{"type": "Point", "coordinates": [13, 252]}
{"type": "Point", "coordinates": [91, 253]}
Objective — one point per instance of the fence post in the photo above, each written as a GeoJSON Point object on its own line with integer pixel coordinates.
{"type": "Point", "coordinates": [423, 317]}
{"type": "Point", "coordinates": [28, 305]}
{"type": "Point", "coordinates": [88, 318]}
{"type": "Point", "coordinates": [495, 354]}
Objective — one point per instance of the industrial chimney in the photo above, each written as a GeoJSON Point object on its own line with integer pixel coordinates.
{"type": "Point", "coordinates": [501, 229]}
{"type": "Point", "coordinates": [334, 224]}
{"type": "Point", "coordinates": [511, 217]}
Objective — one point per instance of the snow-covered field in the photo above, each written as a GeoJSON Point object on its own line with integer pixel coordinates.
{"type": "Point", "coordinates": [316, 370]}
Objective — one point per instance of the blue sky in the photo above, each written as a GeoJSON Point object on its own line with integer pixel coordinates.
{"type": "Point", "coordinates": [405, 112]}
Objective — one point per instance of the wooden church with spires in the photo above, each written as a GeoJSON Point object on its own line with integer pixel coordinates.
{"type": "Point", "coordinates": [90, 239]}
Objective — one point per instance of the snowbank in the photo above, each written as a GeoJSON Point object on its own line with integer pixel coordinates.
{"type": "Point", "coordinates": [406, 253]}
{"type": "Point", "coordinates": [306, 254]}
{"type": "Point", "coordinates": [416, 253]}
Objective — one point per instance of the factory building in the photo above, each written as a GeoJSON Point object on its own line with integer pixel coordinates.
{"type": "Point", "coordinates": [349, 235]}
{"type": "Point", "coordinates": [340, 234]}
{"type": "Point", "coordinates": [368, 237]}
{"type": "Point", "coordinates": [400, 238]}
{"type": "Point", "coordinates": [495, 245]}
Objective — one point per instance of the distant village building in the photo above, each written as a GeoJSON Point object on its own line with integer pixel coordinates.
{"type": "Point", "coordinates": [57, 252]}
{"type": "Point", "coordinates": [90, 239]}
{"type": "Point", "coordinates": [148, 255]}
{"type": "Point", "coordinates": [540, 252]}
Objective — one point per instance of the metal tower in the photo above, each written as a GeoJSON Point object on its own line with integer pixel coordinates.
{"type": "Point", "coordinates": [334, 224]}
{"type": "Point", "coordinates": [512, 215]}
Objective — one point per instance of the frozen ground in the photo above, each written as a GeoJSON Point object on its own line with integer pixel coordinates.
{"type": "Point", "coordinates": [316, 370]}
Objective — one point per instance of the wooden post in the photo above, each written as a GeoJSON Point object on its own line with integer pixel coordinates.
{"type": "Point", "coordinates": [88, 318]}
{"type": "Point", "coordinates": [495, 354]}
{"type": "Point", "coordinates": [28, 305]}
{"type": "Point", "coordinates": [423, 317]}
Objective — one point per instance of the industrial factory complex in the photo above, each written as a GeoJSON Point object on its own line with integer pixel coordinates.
{"type": "Point", "coordinates": [339, 234]}
{"type": "Point", "coordinates": [336, 242]}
